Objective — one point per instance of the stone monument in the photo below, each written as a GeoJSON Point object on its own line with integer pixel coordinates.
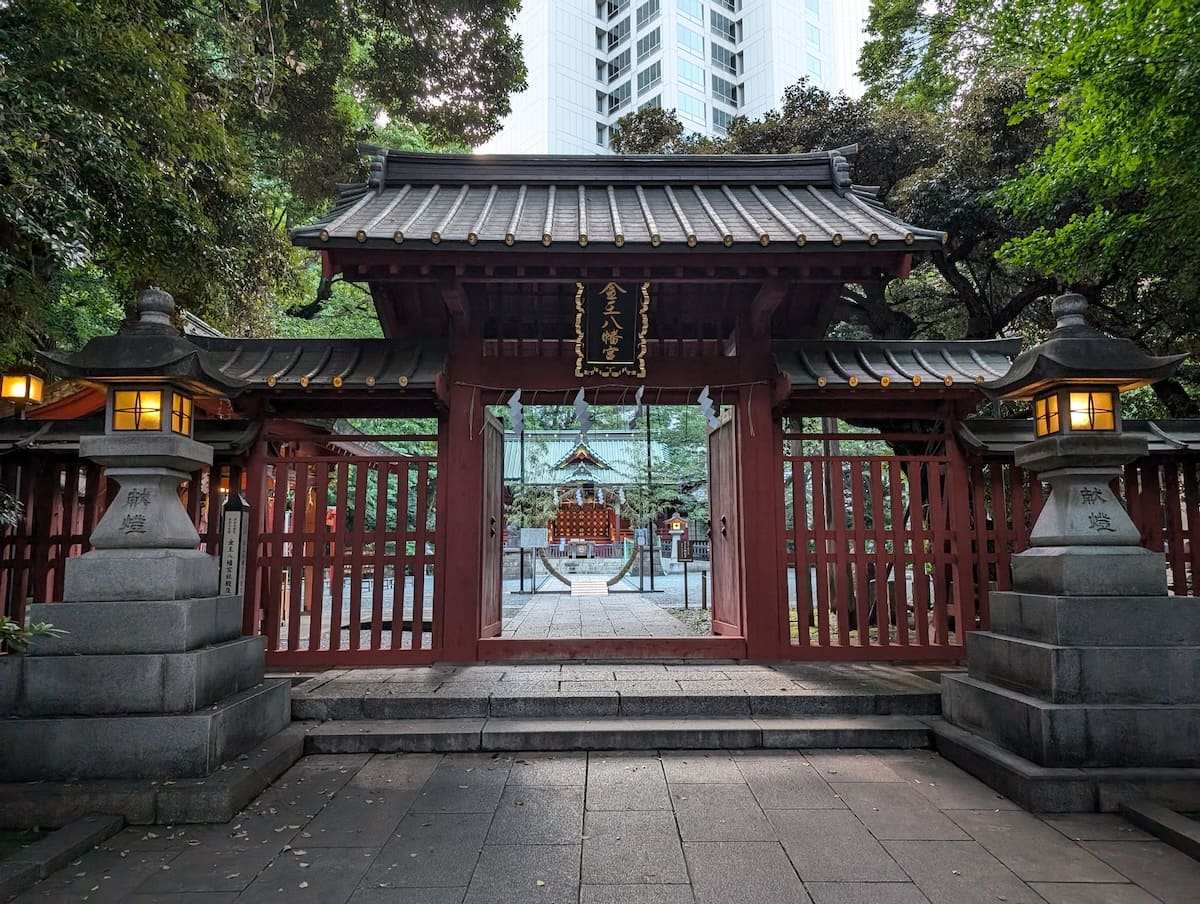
{"type": "Point", "coordinates": [153, 679]}
{"type": "Point", "coordinates": [1086, 690]}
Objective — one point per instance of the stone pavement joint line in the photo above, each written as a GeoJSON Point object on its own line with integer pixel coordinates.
{"type": "Point", "coordinates": [635, 827]}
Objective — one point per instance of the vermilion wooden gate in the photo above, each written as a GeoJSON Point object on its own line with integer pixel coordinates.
{"type": "Point", "coordinates": [492, 523]}
{"type": "Point", "coordinates": [725, 511]}
{"type": "Point", "coordinates": [347, 570]}
{"type": "Point", "coordinates": [879, 548]}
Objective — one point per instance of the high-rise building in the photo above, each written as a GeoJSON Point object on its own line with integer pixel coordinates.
{"type": "Point", "coordinates": [590, 62]}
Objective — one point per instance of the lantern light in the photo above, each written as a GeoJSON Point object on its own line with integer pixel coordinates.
{"type": "Point", "coordinates": [141, 409]}
{"type": "Point", "coordinates": [1072, 408]}
{"type": "Point", "coordinates": [21, 389]}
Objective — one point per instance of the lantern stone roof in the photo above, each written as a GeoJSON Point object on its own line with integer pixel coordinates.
{"type": "Point", "coordinates": [150, 348]}
{"type": "Point", "coordinates": [1077, 351]}
{"type": "Point", "coordinates": [324, 363]}
{"type": "Point", "coordinates": [419, 201]}
{"type": "Point", "coordinates": [911, 364]}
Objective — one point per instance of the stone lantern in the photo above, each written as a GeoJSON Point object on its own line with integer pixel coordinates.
{"type": "Point", "coordinates": [1083, 541]}
{"type": "Point", "coordinates": [1085, 692]}
{"type": "Point", "coordinates": [153, 679]}
{"type": "Point", "coordinates": [145, 544]}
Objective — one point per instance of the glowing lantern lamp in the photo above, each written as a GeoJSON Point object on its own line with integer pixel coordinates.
{"type": "Point", "coordinates": [21, 389]}
{"type": "Point", "coordinates": [1074, 380]}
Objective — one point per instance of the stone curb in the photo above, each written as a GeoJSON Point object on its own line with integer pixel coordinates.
{"type": "Point", "coordinates": [1181, 833]}
{"type": "Point", "coordinates": [55, 851]}
{"type": "Point", "coordinates": [214, 798]}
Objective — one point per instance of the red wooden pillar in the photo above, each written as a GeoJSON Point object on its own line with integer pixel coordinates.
{"type": "Point", "coordinates": [460, 454]}
{"type": "Point", "coordinates": [760, 465]}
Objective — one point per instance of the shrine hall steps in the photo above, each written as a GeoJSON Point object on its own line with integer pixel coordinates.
{"type": "Point", "coordinates": [347, 716]}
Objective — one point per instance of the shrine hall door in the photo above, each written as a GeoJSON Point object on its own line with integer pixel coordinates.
{"type": "Point", "coordinates": [725, 514]}
{"type": "Point", "coordinates": [491, 594]}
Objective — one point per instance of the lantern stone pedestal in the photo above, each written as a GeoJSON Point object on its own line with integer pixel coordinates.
{"type": "Point", "coordinates": [154, 681]}
{"type": "Point", "coordinates": [1086, 691]}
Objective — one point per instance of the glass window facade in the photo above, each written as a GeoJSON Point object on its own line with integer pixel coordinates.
{"type": "Point", "coordinates": [724, 59]}
{"type": "Point", "coordinates": [649, 77]}
{"type": "Point", "coordinates": [690, 73]}
{"type": "Point", "coordinates": [649, 43]}
{"type": "Point", "coordinates": [724, 91]}
{"type": "Point", "coordinates": [691, 41]}
{"type": "Point", "coordinates": [692, 108]}
{"type": "Point", "coordinates": [723, 27]}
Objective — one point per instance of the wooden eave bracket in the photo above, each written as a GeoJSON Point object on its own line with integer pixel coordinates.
{"type": "Point", "coordinates": [766, 302]}
{"type": "Point", "coordinates": [454, 296]}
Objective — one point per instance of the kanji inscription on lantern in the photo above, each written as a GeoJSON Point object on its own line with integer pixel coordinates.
{"type": "Point", "coordinates": [1101, 522]}
{"type": "Point", "coordinates": [611, 322]}
{"type": "Point", "coordinates": [139, 497]}
{"type": "Point", "coordinates": [1091, 495]}
{"type": "Point", "coordinates": [133, 524]}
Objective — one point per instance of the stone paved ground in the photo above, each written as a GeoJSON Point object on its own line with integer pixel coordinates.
{"type": "Point", "coordinates": [616, 615]}
{"type": "Point", "coordinates": [831, 827]}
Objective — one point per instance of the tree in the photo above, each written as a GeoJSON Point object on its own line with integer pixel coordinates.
{"type": "Point", "coordinates": [1097, 197]}
{"type": "Point", "coordinates": [171, 142]}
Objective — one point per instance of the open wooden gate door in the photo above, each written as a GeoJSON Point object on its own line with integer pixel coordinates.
{"type": "Point", "coordinates": [491, 593]}
{"type": "Point", "coordinates": [725, 512]}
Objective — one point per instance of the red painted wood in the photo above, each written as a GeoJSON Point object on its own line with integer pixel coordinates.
{"type": "Point", "coordinates": [1173, 495]}
{"type": "Point", "coordinates": [330, 544]}
{"type": "Point", "coordinates": [402, 537]}
{"type": "Point", "coordinates": [1189, 542]}
{"type": "Point", "coordinates": [841, 570]}
{"type": "Point", "coordinates": [760, 516]}
{"type": "Point", "coordinates": [492, 527]}
{"type": "Point", "coordinates": [340, 539]}
{"type": "Point", "coordinates": [725, 555]}
{"type": "Point", "coordinates": [801, 531]}
{"type": "Point", "coordinates": [941, 558]}
{"type": "Point", "coordinates": [920, 536]}
{"type": "Point", "coordinates": [879, 562]}
{"type": "Point", "coordinates": [463, 473]}
{"type": "Point", "coordinates": [357, 557]}
{"type": "Point", "coordinates": [819, 467]}
{"type": "Point", "coordinates": [858, 551]}
{"type": "Point", "coordinates": [900, 540]}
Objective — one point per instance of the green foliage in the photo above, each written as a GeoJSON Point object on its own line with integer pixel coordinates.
{"type": "Point", "coordinates": [171, 143]}
{"type": "Point", "coordinates": [16, 636]}
{"type": "Point", "coordinates": [1090, 167]}
{"type": "Point", "coordinates": [1121, 81]}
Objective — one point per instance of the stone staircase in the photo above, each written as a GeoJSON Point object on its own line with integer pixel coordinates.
{"type": "Point", "coordinates": [595, 706]}
{"type": "Point", "coordinates": [589, 586]}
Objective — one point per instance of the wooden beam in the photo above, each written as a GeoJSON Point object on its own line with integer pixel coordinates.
{"type": "Point", "coordinates": [770, 296]}
{"type": "Point", "coordinates": [454, 296]}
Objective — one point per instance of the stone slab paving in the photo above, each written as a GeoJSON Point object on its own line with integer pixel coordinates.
{"type": "Point", "coordinates": [613, 615]}
{"type": "Point", "coordinates": [633, 827]}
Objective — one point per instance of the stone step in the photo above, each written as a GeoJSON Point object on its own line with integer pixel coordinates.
{"type": "Point", "coordinates": [457, 735]}
{"type": "Point", "coordinates": [1081, 735]}
{"type": "Point", "coordinates": [589, 586]}
{"type": "Point", "coordinates": [1086, 674]}
{"type": "Point", "coordinates": [377, 703]}
{"type": "Point", "coordinates": [158, 746]}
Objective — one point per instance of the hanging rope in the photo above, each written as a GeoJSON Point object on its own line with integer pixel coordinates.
{"type": "Point", "coordinates": [550, 569]}
{"type": "Point", "coordinates": [615, 579]}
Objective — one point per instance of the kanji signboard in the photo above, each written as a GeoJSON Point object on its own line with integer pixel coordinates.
{"type": "Point", "coordinates": [611, 322]}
